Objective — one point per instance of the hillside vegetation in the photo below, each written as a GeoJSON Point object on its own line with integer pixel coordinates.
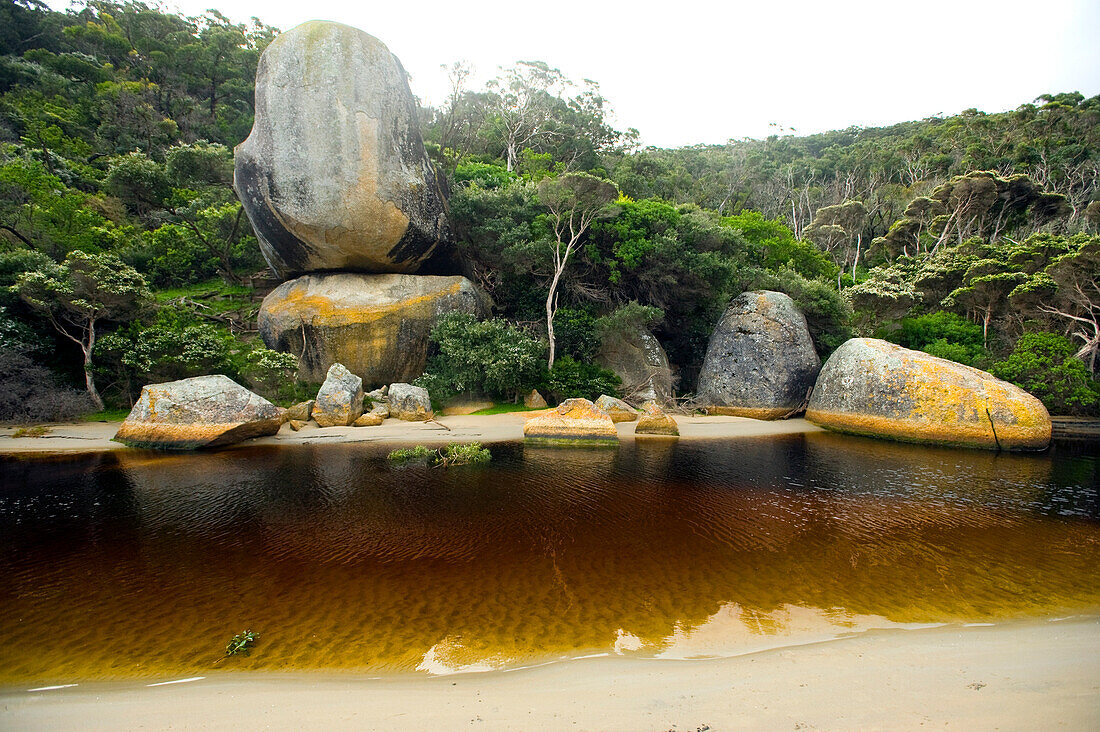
{"type": "Point", "coordinates": [125, 257]}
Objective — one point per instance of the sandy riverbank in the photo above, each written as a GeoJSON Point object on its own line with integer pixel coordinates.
{"type": "Point", "coordinates": [96, 436]}
{"type": "Point", "coordinates": [1015, 676]}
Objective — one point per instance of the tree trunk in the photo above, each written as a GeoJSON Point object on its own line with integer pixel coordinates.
{"type": "Point", "coordinates": [550, 317]}
{"type": "Point", "coordinates": [89, 380]}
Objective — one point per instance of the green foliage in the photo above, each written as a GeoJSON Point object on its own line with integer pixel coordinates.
{"type": "Point", "coordinates": [575, 330]}
{"type": "Point", "coordinates": [484, 175]}
{"type": "Point", "coordinates": [626, 320]}
{"type": "Point", "coordinates": [1044, 364]}
{"type": "Point", "coordinates": [943, 334]}
{"type": "Point", "coordinates": [241, 644]}
{"type": "Point", "coordinates": [471, 453]}
{"type": "Point", "coordinates": [569, 378]}
{"type": "Point", "coordinates": [780, 247]}
{"type": "Point", "coordinates": [404, 455]}
{"type": "Point", "coordinates": [453, 454]}
{"type": "Point", "coordinates": [489, 357]}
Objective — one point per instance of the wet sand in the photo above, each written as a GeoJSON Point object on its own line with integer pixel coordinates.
{"type": "Point", "coordinates": [1023, 675]}
{"type": "Point", "coordinates": [96, 436]}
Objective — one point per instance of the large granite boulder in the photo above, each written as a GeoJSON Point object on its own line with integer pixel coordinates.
{"type": "Point", "coordinates": [204, 411]}
{"type": "Point", "coordinates": [376, 325]}
{"type": "Point", "coordinates": [760, 361]}
{"type": "Point", "coordinates": [639, 360]}
{"type": "Point", "coordinates": [573, 419]}
{"type": "Point", "coordinates": [875, 388]}
{"type": "Point", "coordinates": [334, 175]}
{"type": "Point", "coordinates": [619, 410]}
{"type": "Point", "coordinates": [340, 399]}
{"type": "Point", "coordinates": [655, 421]}
{"type": "Point", "coordinates": [410, 403]}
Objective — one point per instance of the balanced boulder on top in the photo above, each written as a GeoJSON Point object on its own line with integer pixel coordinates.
{"type": "Point", "coordinates": [334, 175]}
{"type": "Point", "coordinates": [760, 362]}
{"type": "Point", "coordinates": [876, 388]}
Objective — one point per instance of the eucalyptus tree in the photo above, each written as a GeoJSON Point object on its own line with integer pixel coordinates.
{"type": "Point", "coordinates": [574, 201]}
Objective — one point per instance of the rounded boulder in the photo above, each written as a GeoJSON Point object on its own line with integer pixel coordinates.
{"type": "Point", "coordinates": [879, 389]}
{"type": "Point", "coordinates": [760, 361]}
{"type": "Point", "coordinates": [334, 175]}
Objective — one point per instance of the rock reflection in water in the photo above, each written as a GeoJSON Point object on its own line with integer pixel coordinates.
{"type": "Point", "coordinates": [132, 564]}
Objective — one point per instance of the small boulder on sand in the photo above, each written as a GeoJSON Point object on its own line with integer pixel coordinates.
{"type": "Point", "coordinates": [619, 410]}
{"type": "Point", "coordinates": [655, 421]}
{"type": "Point", "coordinates": [340, 400]}
{"type": "Point", "coordinates": [573, 419]}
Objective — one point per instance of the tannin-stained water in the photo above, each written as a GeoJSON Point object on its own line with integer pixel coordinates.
{"type": "Point", "coordinates": [134, 564]}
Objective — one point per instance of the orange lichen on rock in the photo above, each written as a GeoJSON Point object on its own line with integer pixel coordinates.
{"type": "Point", "coordinates": [655, 421]}
{"type": "Point", "coordinates": [875, 388]}
{"type": "Point", "coordinates": [573, 419]}
{"type": "Point", "coordinates": [376, 325]}
{"type": "Point", "coordinates": [619, 410]}
{"type": "Point", "coordinates": [204, 411]}
{"type": "Point", "coordinates": [750, 412]}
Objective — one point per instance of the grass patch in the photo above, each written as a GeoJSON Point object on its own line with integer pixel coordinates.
{"type": "Point", "coordinates": [107, 415]}
{"type": "Point", "coordinates": [470, 453]}
{"type": "Point", "coordinates": [503, 408]}
{"type": "Point", "coordinates": [35, 431]}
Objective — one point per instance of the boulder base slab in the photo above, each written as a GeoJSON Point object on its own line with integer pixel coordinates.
{"type": "Point", "coordinates": [875, 388]}
{"type": "Point", "coordinates": [375, 325]}
{"type": "Point", "coordinates": [205, 411]}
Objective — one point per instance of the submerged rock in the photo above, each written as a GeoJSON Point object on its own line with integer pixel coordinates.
{"type": "Point", "coordinates": [655, 421]}
{"type": "Point", "coordinates": [619, 410]}
{"type": "Point", "coordinates": [410, 403]}
{"type": "Point", "coordinates": [760, 361]}
{"type": "Point", "coordinates": [573, 419]}
{"type": "Point", "coordinates": [879, 389]}
{"type": "Point", "coordinates": [204, 411]}
{"type": "Point", "coordinates": [376, 325]}
{"type": "Point", "coordinates": [334, 175]}
{"type": "Point", "coordinates": [639, 360]}
{"type": "Point", "coordinates": [340, 399]}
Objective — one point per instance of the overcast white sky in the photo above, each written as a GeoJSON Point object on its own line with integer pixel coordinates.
{"type": "Point", "coordinates": [688, 72]}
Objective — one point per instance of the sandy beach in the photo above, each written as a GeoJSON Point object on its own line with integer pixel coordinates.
{"type": "Point", "coordinates": [96, 436]}
{"type": "Point", "coordinates": [1024, 675]}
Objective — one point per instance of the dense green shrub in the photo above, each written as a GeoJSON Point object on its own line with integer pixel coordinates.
{"type": "Point", "coordinates": [489, 356]}
{"type": "Point", "coordinates": [1044, 364]}
{"type": "Point", "coordinates": [942, 334]}
{"type": "Point", "coordinates": [575, 331]}
{"type": "Point", "coordinates": [570, 378]}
